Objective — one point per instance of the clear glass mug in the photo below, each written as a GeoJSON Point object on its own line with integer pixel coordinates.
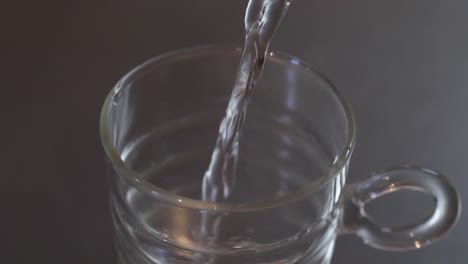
{"type": "Point", "coordinates": [159, 125]}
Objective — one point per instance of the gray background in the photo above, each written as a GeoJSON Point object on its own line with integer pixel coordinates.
{"type": "Point", "coordinates": [401, 63]}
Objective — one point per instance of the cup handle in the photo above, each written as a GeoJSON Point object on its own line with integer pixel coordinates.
{"type": "Point", "coordinates": [355, 220]}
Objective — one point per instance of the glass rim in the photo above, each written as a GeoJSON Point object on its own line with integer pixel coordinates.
{"type": "Point", "coordinates": [181, 201]}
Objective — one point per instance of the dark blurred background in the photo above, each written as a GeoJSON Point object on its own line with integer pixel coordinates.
{"type": "Point", "coordinates": [401, 63]}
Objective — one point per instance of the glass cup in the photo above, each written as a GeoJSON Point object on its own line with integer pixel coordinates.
{"type": "Point", "coordinates": [159, 125]}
